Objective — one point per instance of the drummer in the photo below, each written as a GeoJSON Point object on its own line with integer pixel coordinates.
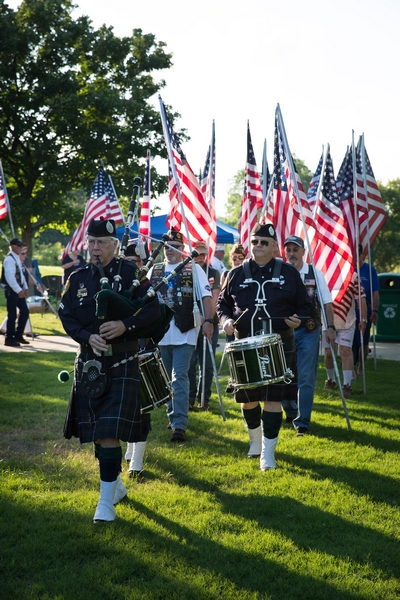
{"type": "Point", "coordinates": [284, 302]}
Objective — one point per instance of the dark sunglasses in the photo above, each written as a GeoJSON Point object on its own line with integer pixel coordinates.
{"type": "Point", "coordinates": [262, 242]}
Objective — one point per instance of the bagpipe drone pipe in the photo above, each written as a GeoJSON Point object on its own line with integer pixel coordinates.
{"type": "Point", "coordinates": [112, 306]}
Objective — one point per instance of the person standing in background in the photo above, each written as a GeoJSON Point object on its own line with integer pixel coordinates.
{"type": "Point", "coordinates": [307, 338]}
{"type": "Point", "coordinates": [71, 261]}
{"type": "Point", "coordinates": [16, 292]}
{"type": "Point", "coordinates": [217, 260]}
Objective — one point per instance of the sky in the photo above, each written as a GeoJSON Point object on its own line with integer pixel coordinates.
{"type": "Point", "coordinates": [332, 65]}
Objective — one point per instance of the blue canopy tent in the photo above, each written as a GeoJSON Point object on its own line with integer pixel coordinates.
{"type": "Point", "coordinates": [225, 233]}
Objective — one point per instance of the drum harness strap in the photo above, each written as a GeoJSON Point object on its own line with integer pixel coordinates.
{"type": "Point", "coordinates": [275, 280]}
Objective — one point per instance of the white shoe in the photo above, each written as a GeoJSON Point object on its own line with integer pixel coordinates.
{"type": "Point", "coordinates": [255, 442]}
{"type": "Point", "coordinates": [129, 451]}
{"type": "Point", "coordinates": [136, 464]}
{"type": "Point", "coordinates": [105, 506]}
{"type": "Point", "coordinates": [120, 491]}
{"type": "Point", "coordinates": [267, 458]}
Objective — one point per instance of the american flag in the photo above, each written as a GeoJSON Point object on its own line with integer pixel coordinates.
{"type": "Point", "coordinates": [194, 205]}
{"type": "Point", "coordinates": [285, 207]}
{"type": "Point", "coordinates": [340, 175]}
{"type": "Point", "coordinates": [352, 293]}
{"type": "Point", "coordinates": [207, 184]}
{"type": "Point", "coordinates": [374, 204]}
{"type": "Point", "coordinates": [299, 202]}
{"type": "Point", "coordinates": [332, 254]}
{"type": "Point", "coordinates": [252, 197]}
{"type": "Point", "coordinates": [3, 201]}
{"type": "Point", "coordinates": [279, 210]}
{"type": "Point", "coordinates": [102, 203]}
{"type": "Point", "coordinates": [314, 183]}
{"type": "Point", "coordinates": [353, 205]}
{"type": "Point", "coordinates": [144, 223]}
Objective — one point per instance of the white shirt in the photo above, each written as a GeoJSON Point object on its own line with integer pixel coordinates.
{"type": "Point", "coordinates": [174, 335]}
{"type": "Point", "coordinates": [11, 263]}
{"type": "Point", "coordinates": [218, 264]}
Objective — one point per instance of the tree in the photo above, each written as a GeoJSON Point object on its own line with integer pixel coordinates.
{"type": "Point", "coordinates": [235, 198]}
{"type": "Point", "coordinates": [71, 96]}
{"type": "Point", "coordinates": [305, 174]}
{"type": "Point", "coordinates": [385, 250]}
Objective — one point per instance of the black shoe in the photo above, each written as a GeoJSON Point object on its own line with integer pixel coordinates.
{"type": "Point", "coordinates": [178, 436]}
{"type": "Point", "coordinates": [12, 343]}
{"type": "Point", "coordinates": [301, 431]}
{"type": "Point", "coordinates": [200, 407]}
{"type": "Point", "coordinates": [290, 419]}
{"type": "Point", "coordinates": [21, 340]}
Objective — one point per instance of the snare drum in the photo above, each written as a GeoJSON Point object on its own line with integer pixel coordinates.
{"type": "Point", "coordinates": [257, 361]}
{"type": "Point", "coordinates": [155, 387]}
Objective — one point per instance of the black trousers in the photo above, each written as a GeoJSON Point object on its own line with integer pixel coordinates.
{"type": "Point", "coordinates": [14, 302]}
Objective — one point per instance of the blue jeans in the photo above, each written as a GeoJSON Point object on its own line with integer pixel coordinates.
{"type": "Point", "coordinates": [176, 360]}
{"type": "Point", "coordinates": [307, 348]}
{"type": "Point", "coordinates": [197, 357]}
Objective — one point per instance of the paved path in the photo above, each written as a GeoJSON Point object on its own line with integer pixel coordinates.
{"type": "Point", "coordinates": [63, 343]}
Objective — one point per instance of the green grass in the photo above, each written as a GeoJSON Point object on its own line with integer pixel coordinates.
{"type": "Point", "coordinates": [204, 522]}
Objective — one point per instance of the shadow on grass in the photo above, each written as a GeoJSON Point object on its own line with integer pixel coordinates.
{"type": "Point", "coordinates": [74, 559]}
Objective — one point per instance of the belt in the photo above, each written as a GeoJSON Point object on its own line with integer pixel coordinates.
{"type": "Point", "coordinates": [128, 346]}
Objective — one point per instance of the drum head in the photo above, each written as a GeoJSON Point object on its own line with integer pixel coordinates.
{"type": "Point", "coordinates": [256, 341]}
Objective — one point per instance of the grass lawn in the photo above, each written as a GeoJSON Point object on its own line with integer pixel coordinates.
{"type": "Point", "coordinates": [203, 522]}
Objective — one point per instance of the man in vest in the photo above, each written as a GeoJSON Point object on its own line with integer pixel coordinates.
{"type": "Point", "coordinates": [307, 338]}
{"type": "Point", "coordinates": [177, 345]}
{"type": "Point", "coordinates": [16, 292]}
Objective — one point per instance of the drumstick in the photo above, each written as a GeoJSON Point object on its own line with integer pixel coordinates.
{"type": "Point", "coordinates": [237, 320]}
{"type": "Point", "coordinates": [297, 317]}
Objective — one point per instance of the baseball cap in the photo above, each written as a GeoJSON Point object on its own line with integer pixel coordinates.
{"type": "Point", "coordinates": [294, 239]}
{"type": "Point", "coordinates": [17, 242]}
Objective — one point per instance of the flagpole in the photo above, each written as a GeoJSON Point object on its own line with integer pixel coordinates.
{"type": "Point", "coordinates": [357, 241]}
{"type": "Point", "coordinates": [116, 197]}
{"type": "Point", "coordinates": [268, 196]}
{"type": "Point", "coordinates": [364, 173]}
{"type": "Point", "coordinates": [324, 157]}
{"type": "Point", "coordinates": [195, 280]}
{"type": "Point", "coordinates": [7, 199]}
{"type": "Point", "coordinates": [291, 167]}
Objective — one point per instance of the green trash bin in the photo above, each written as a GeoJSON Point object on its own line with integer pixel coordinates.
{"type": "Point", "coordinates": [388, 326]}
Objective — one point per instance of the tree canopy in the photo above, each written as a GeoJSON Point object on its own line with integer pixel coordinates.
{"type": "Point", "coordinates": [71, 96]}
{"type": "Point", "coordinates": [385, 250]}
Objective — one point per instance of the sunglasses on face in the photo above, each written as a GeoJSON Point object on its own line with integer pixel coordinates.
{"type": "Point", "coordinates": [237, 258]}
{"type": "Point", "coordinates": [262, 242]}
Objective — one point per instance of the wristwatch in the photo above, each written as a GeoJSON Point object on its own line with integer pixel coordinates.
{"type": "Point", "coordinates": [332, 327]}
{"type": "Point", "coordinates": [208, 320]}
{"type": "Point", "coordinates": [364, 320]}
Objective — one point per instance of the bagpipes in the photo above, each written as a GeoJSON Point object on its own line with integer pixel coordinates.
{"type": "Point", "coordinates": [112, 306]}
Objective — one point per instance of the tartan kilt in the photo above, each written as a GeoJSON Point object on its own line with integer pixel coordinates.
{"type": "Point", "coordinates": [276, 392]}
{"type": "Point", "coordinates": [116, 414]}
